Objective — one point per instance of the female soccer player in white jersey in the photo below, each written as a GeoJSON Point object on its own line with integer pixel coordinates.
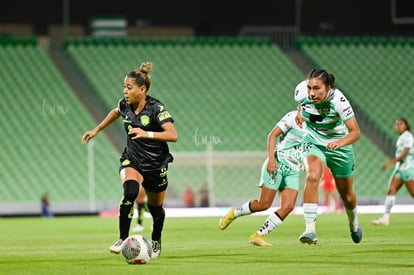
{"type": "Point", "coordinates": [280, 172]}
{"type": "Point", "coordinates": [331, 130]}
{"type": "Point", "coordinates": [149, 126]}
{"type": "Point", "coordinates": [404, 168]}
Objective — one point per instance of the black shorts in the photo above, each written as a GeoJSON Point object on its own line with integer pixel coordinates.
{"type": "Point", "coordinates": [154, 181]}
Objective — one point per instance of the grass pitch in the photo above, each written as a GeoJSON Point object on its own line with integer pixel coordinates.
{"type": "Point", "coordinates": [79, 245]}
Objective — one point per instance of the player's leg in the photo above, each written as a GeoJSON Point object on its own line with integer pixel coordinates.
{"type": "Point", "coordinates": [342, 163]}
{"type": "Point", "coordinates": [395, 184]}
{"type": "Point", "coordinates": [337, 202]}
{"type": "Point", "coordinates": [155, 184]}
{"type": "Point", "coordinates": [155, 202]}
{"type": "Point", "coordinates": [265, 200]}
{"type": "Point", "coordinates": [130, 180]}
{"type": "Point", "coordinates": [140, 204]}
{"type": "Point", "coordinates": [288, 199]}
{"type": "Point", "coordinates": [288, 189]}
{"type": "Point", "coordinates": [410, 187]}
{"type": "Point", "coordinates": [344, 186]}
{"type": "Point", "coordinates": [268, 187]}
{"type": "Point", "coordinates": [314, 167]}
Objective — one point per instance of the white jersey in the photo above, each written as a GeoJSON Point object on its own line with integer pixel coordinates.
{"type": "Point", "coordinates": [405, 140]}
{"type": "Point", "coordinates": [288, 146]}
{"type": "Point", "coordinates": [325, 121]}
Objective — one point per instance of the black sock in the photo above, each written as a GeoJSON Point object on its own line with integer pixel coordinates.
{"type": "Point", "coordinates": [126, 212]}
{"type": "Point", "coordinates": [141, 209]}
{"type": "Point", "coordinates": [158, 217]}
{"type": "Point", "coordinates": [126, 207]}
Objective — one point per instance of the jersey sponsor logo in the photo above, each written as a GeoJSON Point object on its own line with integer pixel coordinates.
{"type": "Point", "coordinates": [315, 118]}
{"type": "Point", "coordinates": [163, 115]}
{"type": "Point", "coordinates": [145, 120]}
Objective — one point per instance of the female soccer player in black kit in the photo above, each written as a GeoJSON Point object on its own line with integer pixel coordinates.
{"type": "Point", "coordinates": [145, 159]}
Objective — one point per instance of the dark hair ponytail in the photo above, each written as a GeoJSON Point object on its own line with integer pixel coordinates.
{"type": "Point", "coordinates": [327, 78]}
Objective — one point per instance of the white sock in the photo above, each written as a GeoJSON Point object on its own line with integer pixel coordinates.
{"type": "Point", "coordinates": [243, 210]}
{"type": "Point", "coordinates": [270, 223]}
{"type": "Point", "coordinates": [389, 203]}
{"type": "Point", "coordinates": [353, 218]}
{"type": "Point", "coordinates": [310, 211]}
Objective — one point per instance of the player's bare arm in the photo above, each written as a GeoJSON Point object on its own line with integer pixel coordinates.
{"type": "Point", "coordinates": [111, 117]}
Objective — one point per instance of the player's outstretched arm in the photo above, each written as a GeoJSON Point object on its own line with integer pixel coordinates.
{"type": "Point", "coordinates": [111, 117]}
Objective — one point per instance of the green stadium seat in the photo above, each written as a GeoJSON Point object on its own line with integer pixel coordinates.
{"type": "Point", "coordinates": [43, 124]}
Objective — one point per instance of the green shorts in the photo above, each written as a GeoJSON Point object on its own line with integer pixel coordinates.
{"type": "Point", "coordinates": [341, 161]}
{"type": "Point", "coordinates": [285, 177]}
{"type": "Point", "coordinates": [404, 175]}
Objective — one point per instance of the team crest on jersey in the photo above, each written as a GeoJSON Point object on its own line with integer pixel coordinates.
{"type": "Point", "coordinates": [145, 120]}
{"type": "Point", "coordinates": [324, 110]}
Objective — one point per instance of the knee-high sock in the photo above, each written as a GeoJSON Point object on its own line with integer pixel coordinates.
{"type": "Point", "coordinates": [389, 203]}
{"type": "Point", "coordinates": [158, 217]}
{"type": "Point", "coordinates": [243, 210]}
{"type": "Point", "coordinates": [310, 212]}
{"type": "Point", "coordinates": [140, 210]}
{"type": "Point", "coordinates": [126, 207]}
{"type": "Point", "coordinates": [272, 222]}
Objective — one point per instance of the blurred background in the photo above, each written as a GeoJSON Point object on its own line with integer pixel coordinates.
{"type": "Point", "coordinates": [225, 71]}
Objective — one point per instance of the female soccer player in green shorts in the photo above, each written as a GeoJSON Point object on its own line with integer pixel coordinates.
{"type": "Point", "coordinates": [403, 171]}
{"type": "Point", "coordinates": [280, 172]}
{"type": "Point", "coordinates": [331, 130]}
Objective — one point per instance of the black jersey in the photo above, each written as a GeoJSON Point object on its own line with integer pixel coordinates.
{"type": "Point", "coordinates": [146, 154]}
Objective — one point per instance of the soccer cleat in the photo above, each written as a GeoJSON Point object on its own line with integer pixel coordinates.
{"type": "Point", "coordinates": [356, 235]}
{"type": "Point", "coordinates": [308, 237]}
{"type": "Point", "coordinates": [381, 221]}
{"type": "Point", "coordinates": [117, 246]}
{"type": "Point", "coordinates": [138, 228]}
{"type": "Point", "coordinates": [156, 249]}
{"type": "Point", "coordinates": [258, 240]}
{"type": "Point", "coordinates": [226, 220]}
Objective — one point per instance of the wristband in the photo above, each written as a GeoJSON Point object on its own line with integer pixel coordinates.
{"type": "Point", "coordinates": [150, 134]}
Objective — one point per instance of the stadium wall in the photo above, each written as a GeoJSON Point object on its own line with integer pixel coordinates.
{"type": "Point", "coordinates": [215, 17]}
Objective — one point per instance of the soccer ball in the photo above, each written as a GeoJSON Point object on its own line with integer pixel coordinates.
{"type": "Point", "coordinates": [136, 250]}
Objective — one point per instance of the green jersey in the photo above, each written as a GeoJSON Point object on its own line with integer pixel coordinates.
{"type": "Point", "coordinates": [288, 146]}
{"type": "Point", "coordinates": [405, 140]}
{"type": "Point", "coordinates": [325, 122]}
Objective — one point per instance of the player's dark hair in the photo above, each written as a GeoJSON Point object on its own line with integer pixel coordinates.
{"type": "Point", "coordinates": [327, 78]}
{"type": "Point", "coordinates": [406, 123]}
{"type": "Point", "coordinates": [142, 75]}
